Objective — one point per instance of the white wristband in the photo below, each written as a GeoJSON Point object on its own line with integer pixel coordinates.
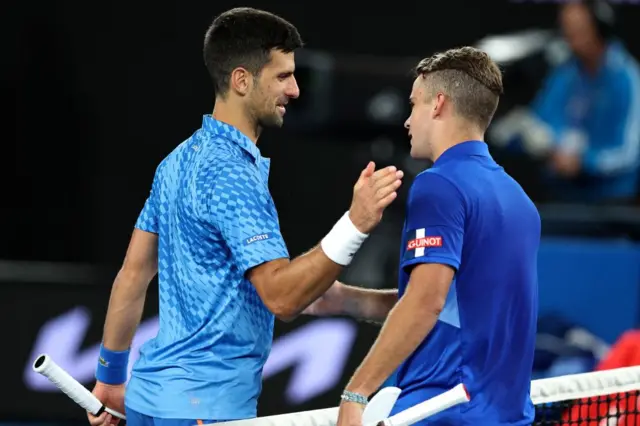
{"type": "Point", "coordinates": [343, 241]}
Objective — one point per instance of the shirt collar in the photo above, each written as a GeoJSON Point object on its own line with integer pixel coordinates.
{"type": "Point", "coordinates": [464, 149]}
{"type": "Point", "coordinates": [232, 134]}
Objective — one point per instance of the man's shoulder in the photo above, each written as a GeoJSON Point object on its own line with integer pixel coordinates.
{"type": "Point", "coordinates": [219, 157]}
{"type": "Point", "coordinates": [219, 150]}
{"type": "Point", "coordinates": [210, 163]}
{"type": "Point", "coordinates": [436, 186]}
{"type": "Point", "coordinates": [622, 71]}
{"type": "Point", "coordinates": [440, 178]}
{"type": "Point", "coordinates": [456, 178]}
{"type": "Point", "coordinates": [431, 176]}
{"type": "Point", "coordinates": [230, 175]}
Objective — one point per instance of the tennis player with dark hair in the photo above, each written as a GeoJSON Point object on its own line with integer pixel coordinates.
{"type": "Point", "coordinates": [210, 229]}
{"type": "Point", "coordinates": [467, 300]}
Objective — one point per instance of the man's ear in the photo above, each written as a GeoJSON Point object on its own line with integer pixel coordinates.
{"type": "Point", "coordinates": [241, 81]}
{"type": "Point", "coordinates": [438, 105]}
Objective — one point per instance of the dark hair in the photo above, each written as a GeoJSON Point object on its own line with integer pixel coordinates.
{"type": "Point", "coordinates": [469, 77]}
{"type": "Point", "coordinates": [244, 37]}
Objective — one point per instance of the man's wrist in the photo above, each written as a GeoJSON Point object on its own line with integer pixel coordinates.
{"type": "Point", "coordinates": [356, 223]}
{"type": "Point", "coordinates": [342, 299]}
{"type": "Point", "coordinates": [343, 241]}
{"type": "Point", "coordinates": [351, 301]}
{"type": "Point", "coordinates": [112, 366]}
{"type": "Point", "coordinates": [350, 396]}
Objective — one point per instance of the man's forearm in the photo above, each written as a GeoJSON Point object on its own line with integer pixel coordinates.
{"type": "Point", "coordinates": [407, 325]}
{"type": "Point", "coordinates": [605, 162]}
{"type": "Point", "coordinates": [125, 311]}
{"type": "Point", "coordinates": [368, 304]}
{"type": "Point", "coordinates": [303, 280]}
{"type": "Point", "coordinates": [289, 287]}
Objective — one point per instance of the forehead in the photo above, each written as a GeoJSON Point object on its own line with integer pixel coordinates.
{"type": "Point", "coordinates": [281, 61]}
{"type": "Point", "coordinates": [417, 90]}
{"type": "Point", "coordinates": [574, 14]}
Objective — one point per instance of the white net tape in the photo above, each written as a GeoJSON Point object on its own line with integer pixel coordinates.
{"type": "Point", "coordinates": [564, 388]}
{"type": "Point", "coordinates": [585, 385]}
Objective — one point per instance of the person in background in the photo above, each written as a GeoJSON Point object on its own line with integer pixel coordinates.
{"type": "Point", "coordinates": [585, 121]}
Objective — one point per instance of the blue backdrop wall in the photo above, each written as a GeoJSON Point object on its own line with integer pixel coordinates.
{"type": "Point", "coordinates": [593, 283]}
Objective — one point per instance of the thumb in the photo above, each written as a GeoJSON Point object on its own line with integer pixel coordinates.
{"type": "Point", "coordinates": [368, 171]}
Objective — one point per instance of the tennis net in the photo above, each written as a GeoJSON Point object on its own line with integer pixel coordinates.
{"type": "Point", "coordinates": [602, 398]}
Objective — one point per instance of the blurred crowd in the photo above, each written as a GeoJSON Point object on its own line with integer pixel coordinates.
{"type": "Point", "coordinates": [583, 127]}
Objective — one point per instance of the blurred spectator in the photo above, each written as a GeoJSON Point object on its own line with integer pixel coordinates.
{"type": "Point", "coordinates": [565, 347]}
{"type": "Point", "coordinates": [624, 353]}
{"type": "Point", "coordinates": [585, 122]}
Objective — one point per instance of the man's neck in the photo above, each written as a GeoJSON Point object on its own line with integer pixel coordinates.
{"type": "Point", "coordinates": [453, 138]}
{"type": "Point", "coordinates": [592, 63]}
{"type": "Point", "coordinates": [234, 115]}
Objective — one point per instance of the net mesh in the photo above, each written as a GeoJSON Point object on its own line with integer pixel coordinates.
{"type": "Point", "coordinates": [603, 398]}
{"type": "Point", "coordinates": [621, 409]}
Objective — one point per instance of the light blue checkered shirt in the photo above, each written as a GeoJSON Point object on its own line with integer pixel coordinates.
{"type": "Point", "coordinates": [211, 208]}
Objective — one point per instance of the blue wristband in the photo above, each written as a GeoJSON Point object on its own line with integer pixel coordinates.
{"type": "Point", "coordinates": [112, 366]}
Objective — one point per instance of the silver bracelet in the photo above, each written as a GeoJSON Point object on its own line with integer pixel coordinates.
{"type": "Point", "coordinates": [354, 397]}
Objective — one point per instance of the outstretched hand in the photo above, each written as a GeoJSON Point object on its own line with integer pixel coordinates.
{"type": "Point", "coordinates": [374, 191]}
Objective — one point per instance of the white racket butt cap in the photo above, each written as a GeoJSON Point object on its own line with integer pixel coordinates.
{"type": "Point", "coordinates": [71, 387]}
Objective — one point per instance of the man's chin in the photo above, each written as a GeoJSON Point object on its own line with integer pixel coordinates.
{"type": "Point", "coordinates": [275, 122]}
{"type": "Point", "coordinates": [417, 155]}
{"type": "Point", "coordinates": [413, 152]}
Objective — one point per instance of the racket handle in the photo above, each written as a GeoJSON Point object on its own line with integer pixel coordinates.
{"type": "Point", "coordinates": [71, 387]}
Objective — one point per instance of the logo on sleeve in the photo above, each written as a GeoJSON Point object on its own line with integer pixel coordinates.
{"type": "Point", "coordinates": [417, 242]}
{"type": "Point", "coordinates": [259, 237]}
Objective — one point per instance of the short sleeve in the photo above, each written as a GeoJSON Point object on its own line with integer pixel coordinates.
{"type": "Point", "coordinates": [148, 217]}
{"type": "Point", "coordinates": [245, 214]}
{"type": "Point", "coordinates": [434, 223]}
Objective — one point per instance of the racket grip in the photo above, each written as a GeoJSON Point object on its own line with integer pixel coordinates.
{"type": "Point", "coordinates": [71, 387]}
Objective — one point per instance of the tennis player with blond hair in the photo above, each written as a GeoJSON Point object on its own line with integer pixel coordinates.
{"type": "Point", "coordinates": [467, 301]}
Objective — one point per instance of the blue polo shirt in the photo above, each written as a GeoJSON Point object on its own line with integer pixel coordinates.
{"type": "Point", "coordinates": [468, 213]}
{"type": "Point", "coordinates": [211, 208]}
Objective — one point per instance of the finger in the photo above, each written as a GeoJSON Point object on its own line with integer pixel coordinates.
{"type": "Point", "coordinates": [368, 171]}
{"type": "Point", "coordinates": [383, 172]}
{"type": "Point", "coordinates": [389, 179]}
{"type": "Point", "coordinates": [384, 203]}
{"type": "Point", "coordinates": [371, 168]}
{"type": "Point", "coordinates": [97, 421]}
{"type": "Point", "coordinates": [387, 189]}
{"type": "Point", "coordinates": [107, 420]}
